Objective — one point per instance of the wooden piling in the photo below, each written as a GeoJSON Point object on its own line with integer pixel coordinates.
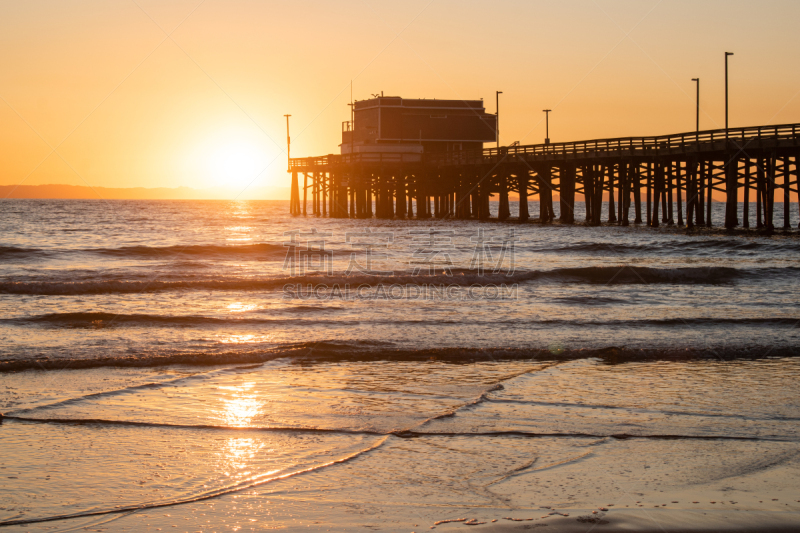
{"type": "Point", "coordinates": [588, 192]}
{"type": "Point", "coordinates": [294, 196]}
{"type": "Point", "coordinates": [657, 179]}
{"type": "Point", "coordinates": [597, 211]}
{"type": "Point", "coordinates": [746, 202]}
{"type": "Point", "coordinates": [662, 188]}
{"type": "Point", "coordinates": [797, 184]}
{"type": "Point", "coordinates": [680, 174]}
{"type": "Point", "coordinates": [709, 191]}
{"type": "Point", "coordinates": [567, 193]}
{"type": "Point", "coordinates": [305, 191]}
{"type": "Point", "coordinates": [636, 182]}
{"type": "Point", "coordinates": [669, 196]}
{"type": "Point", "coordinates": [612, 210]}
{"type": "Point", "coordinates": [504, 210]}
{"type": "Point", "coordinates": [544, 180]}
{"type": "Point", "coordinates": [731, 192]}
{"type": "Point", "coordinates": [522, 184]}
{"type": "Point", "coordinates": [649, 167]}
{"type": "Point", "coordinates": [787, 205]}
{"type": "Point", "coordinates": [691, 193]}
{"type": "Point", "coordinates": [624, 200]}
{"type": "Point", "coordinates": [770, 200]}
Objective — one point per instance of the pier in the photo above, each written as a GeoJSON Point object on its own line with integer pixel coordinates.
{"type": "Point", "coordinates": [666, 179]}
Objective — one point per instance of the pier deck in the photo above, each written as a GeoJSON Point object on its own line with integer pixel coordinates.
{"type": "Point", "coordinates": [662, 179]}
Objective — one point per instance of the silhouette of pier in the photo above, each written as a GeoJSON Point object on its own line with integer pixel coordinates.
{"type": "Point", "coordinates": [665, 179]}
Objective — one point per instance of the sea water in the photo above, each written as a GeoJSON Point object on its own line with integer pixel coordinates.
{"type": "Point", "coordinates": [224, 366]}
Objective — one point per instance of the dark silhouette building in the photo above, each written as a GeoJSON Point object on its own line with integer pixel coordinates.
{"type": "Point", "coordinates": [391, 124]}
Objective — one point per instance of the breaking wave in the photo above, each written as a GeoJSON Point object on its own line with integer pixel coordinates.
{"type": "Point", "coordinates": [258, 251]}
{"type": "Point", "coordinates": [332, 350]}
{"type": "Point", "coordinates": [106, 319]}
{"type": "Point", "coordinates": [612, 275]}
{"type": "Point", "coordinates": [695, 246]}
{"type": "Point", "coordinates": [253, 251]}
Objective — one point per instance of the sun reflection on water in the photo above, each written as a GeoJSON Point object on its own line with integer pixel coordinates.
{"type": "Point", "coordinates": [238, 451]}
{"type": "Point", "coordinates": [244, 338]}
{"type": "Point", "coordinates": [241, 307]}
{"type": "Point", "coordinates": [240, 405]}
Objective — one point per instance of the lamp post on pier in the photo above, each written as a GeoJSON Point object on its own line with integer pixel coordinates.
{"type": "Point", "coordinates": [726, 92]}
{"type": "Point", "coordinates": [288, 144]}
{"type": "Point", "coordinates": [547, 125]}
{"type": "Point", "coordinates": [497, 128]}
{"type": "Point", "coordinates": [697, 117]}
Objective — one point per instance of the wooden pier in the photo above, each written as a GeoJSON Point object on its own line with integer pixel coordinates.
{"type": "Point", "coordinates": [650, 180]}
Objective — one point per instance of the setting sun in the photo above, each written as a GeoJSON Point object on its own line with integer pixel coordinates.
{"type": "Point", "coordinates": [235, 165]}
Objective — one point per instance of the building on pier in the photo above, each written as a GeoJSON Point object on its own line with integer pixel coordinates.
{"type": "Point", "coordinates": [395, 125]}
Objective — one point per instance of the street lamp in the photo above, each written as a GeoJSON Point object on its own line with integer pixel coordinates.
{"type": "Point", "coordinates": [726, 91]}
{"type": "Point", "coordinates": [697, 118]}
{"type": "Point", "coordinates": [497, 127]}
{"type": "Point", "coordinates": [547, 125]}
{"type": "Point", "coordinates": [288, 143]}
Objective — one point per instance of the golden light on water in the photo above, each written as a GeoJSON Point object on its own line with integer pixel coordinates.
{"type": "Point", "coordinates": [239, 450]}
{"type": "Point", "coordinates": [241, 307]}
{"type": "Point", "coordinates": [243, 338]}
{"type": "Point", "coordinates": [240, 405]}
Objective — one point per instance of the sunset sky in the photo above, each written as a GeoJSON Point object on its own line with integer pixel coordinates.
{"type": "Point", "coordinates": [169, 93]}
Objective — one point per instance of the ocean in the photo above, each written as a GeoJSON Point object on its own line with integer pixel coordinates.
{"type": "Point", "coordinates": [221, 365]}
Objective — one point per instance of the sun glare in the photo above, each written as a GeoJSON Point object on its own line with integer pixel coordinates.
{"type": "Point", "coordinates": [236, 165]}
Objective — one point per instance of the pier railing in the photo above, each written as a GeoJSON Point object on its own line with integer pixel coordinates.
{"type": "Point", "coordinates": [682, 143]}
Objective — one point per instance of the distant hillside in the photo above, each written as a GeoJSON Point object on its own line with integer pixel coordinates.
{"type": "Point", "coordinates": [136, 193]}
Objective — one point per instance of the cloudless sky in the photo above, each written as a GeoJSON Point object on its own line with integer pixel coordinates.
{"type": "Point", "coordinates": [168, 93]}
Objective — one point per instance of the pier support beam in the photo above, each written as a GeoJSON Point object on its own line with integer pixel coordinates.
{"type": "Point", "coordinates": [612, 210]}
{"type": "Point", "coordinates": [709, 177]}
{"type": "Point", "coordinates": [504, 210]}
{"type": "Point", "coordinates": [567, 193]}
{"type": "Point", "coordinates": [731, 191]}
{"type": "Point", "coordinates": [770, 200]}
{"type": "Point", "coordinates": [746, 198]}
{"type": "Point", "coordinates": [658, 179]}
{"type": "Point", "coordinates": [797, 184]}
{"type": "Point", "coordinates": [691, 193]}
{"type": "Point", "coordinates": [294, 196]}
{"type": "Point", "coordinates": [624, 193]}
{"type": "Point", "coordinates": [668, 197]}
{"type": "Point", "coordinates": [545, 181]}
{"type": "Point", "coordinates": [637, 191]}
{"type": "Point", "coordinates": [305, 191]}
{"type": "Point", "coordinates": [522, 187]}
{"type": "Point", "coordinates": [787, 206]}
{"type": "Point", "coordinates": [680, 174]}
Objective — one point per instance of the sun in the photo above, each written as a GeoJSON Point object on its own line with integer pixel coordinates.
{"type": "Point", "coordinates": [235, 164]}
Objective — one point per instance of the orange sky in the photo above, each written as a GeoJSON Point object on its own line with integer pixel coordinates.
{"type": "Point", "coordinates": [124, 105]}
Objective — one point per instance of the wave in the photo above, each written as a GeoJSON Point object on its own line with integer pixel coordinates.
{"type": "Point", "coordinates": [334, 350]}
{"type": "Point", "coordinates": [246, 251]}
{"type": "Point", "coordinates": [591, 300]}
{"type": "Point", "coordinates": [404, 434]}
{"type": "Point", "coordinates": [610, 275]}
{"type": "Point", "coordinates": [10, 253]}
{"type": "Point", "coordinates": [253, 251]}
{"type": "Point", "coordinates": [670, 412]}
{"type": "Point", "coordinates": [674, 246]}
{"type": "Point", "coordinates": [106, 319]}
